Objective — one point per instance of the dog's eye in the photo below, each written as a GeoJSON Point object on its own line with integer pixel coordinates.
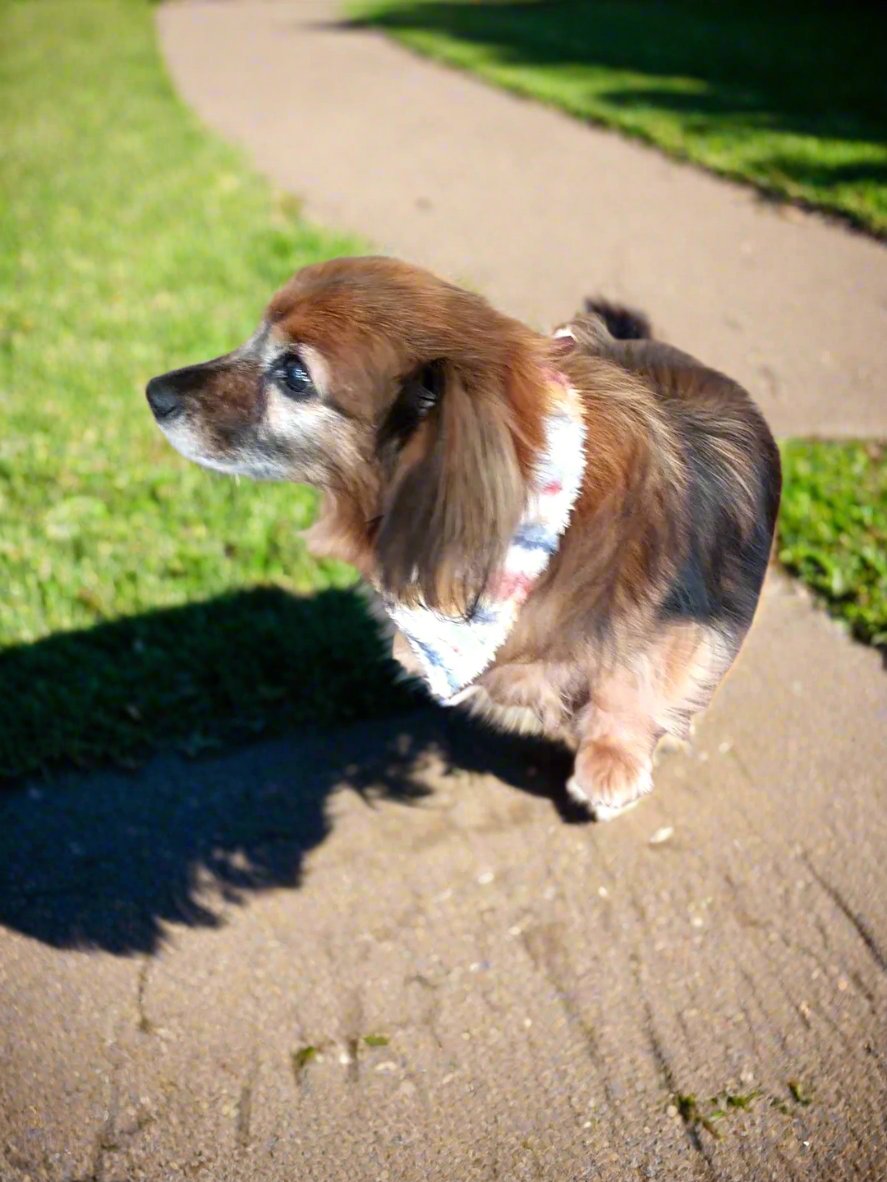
{"type": "Point", "coordinates": [295, 376]}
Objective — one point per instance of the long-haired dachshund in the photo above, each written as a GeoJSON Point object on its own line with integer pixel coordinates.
{"type": "Point", "coordinates": [568, 533]}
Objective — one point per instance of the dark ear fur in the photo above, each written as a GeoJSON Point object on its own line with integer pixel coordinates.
{"type": "Point", "coordinates": [419, 394]}
{"type": "Point", "coordinates": [457, 492]}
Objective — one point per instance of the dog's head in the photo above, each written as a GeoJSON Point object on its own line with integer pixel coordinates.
{"type": "Point", "coordinates": [413, 404]}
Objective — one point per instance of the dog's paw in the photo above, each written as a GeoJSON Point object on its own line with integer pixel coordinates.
{"type": "Point", "coordinates": [607, 784]}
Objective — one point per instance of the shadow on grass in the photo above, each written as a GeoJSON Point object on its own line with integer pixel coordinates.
{"type": "Point", "coordinates": [196, 677]}
{"type": "Point", "coordinates": [744, 70]}
{"type": "Point", "coordinates": [104, 859]}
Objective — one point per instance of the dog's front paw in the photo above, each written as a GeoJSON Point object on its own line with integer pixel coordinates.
{"type": "Point", "coordinates": [607, 781]}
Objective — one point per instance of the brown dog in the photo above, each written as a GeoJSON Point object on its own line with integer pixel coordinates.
{"type": "Point", "coordinates": [421, 412]}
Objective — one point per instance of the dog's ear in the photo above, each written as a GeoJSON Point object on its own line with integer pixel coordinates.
{"type": "Point", "coordinates": [457, 491]}
{"type": "Point", "coordinates": [419, 394]}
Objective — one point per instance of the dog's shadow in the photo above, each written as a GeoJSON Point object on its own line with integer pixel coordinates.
{"type": "Point", "coordinates": [105, 860]}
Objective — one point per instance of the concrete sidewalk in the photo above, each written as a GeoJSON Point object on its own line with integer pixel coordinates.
{"type": "Point", "coordinates": [392, 952]}
{"type": "Point", "coordinates": [175, 942]}
{"type": "Point", "coordinates": [537, 210]}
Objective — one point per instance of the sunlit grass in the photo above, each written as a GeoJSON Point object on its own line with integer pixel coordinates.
{"type": "Point", "coordinates": [833, 528]}
{"type": "Point", "coordinates": [132, 241]}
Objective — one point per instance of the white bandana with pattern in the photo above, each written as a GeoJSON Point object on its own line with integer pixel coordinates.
{"type": "Point", "coordinates": [453, 651]}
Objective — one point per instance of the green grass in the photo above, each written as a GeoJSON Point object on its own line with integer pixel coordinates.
{"type": "Point", "coordinates": [133, 241]}
{"type": "Point", "coordinates": [788, 96]}
{"type": "Point", "coordinates": [833, 528]}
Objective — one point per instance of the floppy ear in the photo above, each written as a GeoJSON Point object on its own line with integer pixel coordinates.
{"type": "Point", "coordinates": [457, 492]}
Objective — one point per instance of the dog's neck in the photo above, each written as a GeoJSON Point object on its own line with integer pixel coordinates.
{"type": "Point", "coordinates": [452, 652]}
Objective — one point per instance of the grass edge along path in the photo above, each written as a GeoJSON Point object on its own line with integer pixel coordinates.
{"type": "Point", "coordinates": [833, 528]}
{"type": "Point", "coordinates": [757, 93]}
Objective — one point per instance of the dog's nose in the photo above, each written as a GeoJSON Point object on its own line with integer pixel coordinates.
{"type": "Point", "coordinates": [162, 398]}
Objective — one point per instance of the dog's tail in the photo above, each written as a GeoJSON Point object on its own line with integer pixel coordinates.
{"type": "Point", "coordinates": [625, 324]}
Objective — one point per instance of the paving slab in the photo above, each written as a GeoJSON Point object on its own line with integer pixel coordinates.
{"type": "Point", "coordinates": [536, 209]}
{"type": "Point", "coordinates": [391, 952]}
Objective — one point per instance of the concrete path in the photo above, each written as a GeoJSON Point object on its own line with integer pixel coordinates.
{"type": "Point", "coordinates": [174, 942]}
{"type": "Point", "coordinates": [535, 209]}
{"type": "Point", "coordinates": [391, 952]}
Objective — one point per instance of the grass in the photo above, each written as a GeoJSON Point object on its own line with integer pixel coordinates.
{"type": "Point", "coordinates": [708, 1115]}
{"type": "Point", "coordinates": [134, 241]}
{"type": "Point", "coordinates": [833, 528]}
{"type": "Point", "coordinates": [786, 96]}
{"type": "Point", "coordinates": [147, 602]}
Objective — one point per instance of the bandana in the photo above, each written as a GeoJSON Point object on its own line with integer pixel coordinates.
{"type": "Point", "coordinates": [453, 651]}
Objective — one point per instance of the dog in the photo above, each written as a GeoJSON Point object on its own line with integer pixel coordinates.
{"type": "Point", "coordinates": [569, 532]}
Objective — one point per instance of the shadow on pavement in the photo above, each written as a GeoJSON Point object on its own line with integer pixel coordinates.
{"type": "Point", "coordinates": [103, 860]}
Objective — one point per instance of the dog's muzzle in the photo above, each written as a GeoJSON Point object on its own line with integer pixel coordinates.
{"type": "Point", "coordinates": [163, 398]}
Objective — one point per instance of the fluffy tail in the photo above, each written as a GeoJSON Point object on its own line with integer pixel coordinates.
{"type": "Point", "coordinates": [625, 324]}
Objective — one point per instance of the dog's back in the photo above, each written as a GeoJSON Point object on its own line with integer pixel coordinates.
{"type": "Point", "coordinates": [732, 462]}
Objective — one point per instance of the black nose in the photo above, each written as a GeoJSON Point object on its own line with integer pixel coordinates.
{"type": "Point", "coordinates": [162, 398]}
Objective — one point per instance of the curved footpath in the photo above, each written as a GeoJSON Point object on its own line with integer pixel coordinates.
{"type": "Point", "coordinates": [267, 966]}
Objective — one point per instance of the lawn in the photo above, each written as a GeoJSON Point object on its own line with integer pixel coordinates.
{"type": "Point", "coordinates": [789, 96]}
{"type": "Point", "coordinates": [833, 528]}
{"type": "Point", "coordinates": [145, 601]}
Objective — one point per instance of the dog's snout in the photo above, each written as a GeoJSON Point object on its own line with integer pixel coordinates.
{"type": "Point", "coordinates": [162, 398]}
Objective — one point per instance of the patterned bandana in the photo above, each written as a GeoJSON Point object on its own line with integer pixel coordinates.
{"type": "Point", "coordinates": [454, 651]}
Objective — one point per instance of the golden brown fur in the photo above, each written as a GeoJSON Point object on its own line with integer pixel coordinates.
{"type": "Point", "coordinates": [420, 421]}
